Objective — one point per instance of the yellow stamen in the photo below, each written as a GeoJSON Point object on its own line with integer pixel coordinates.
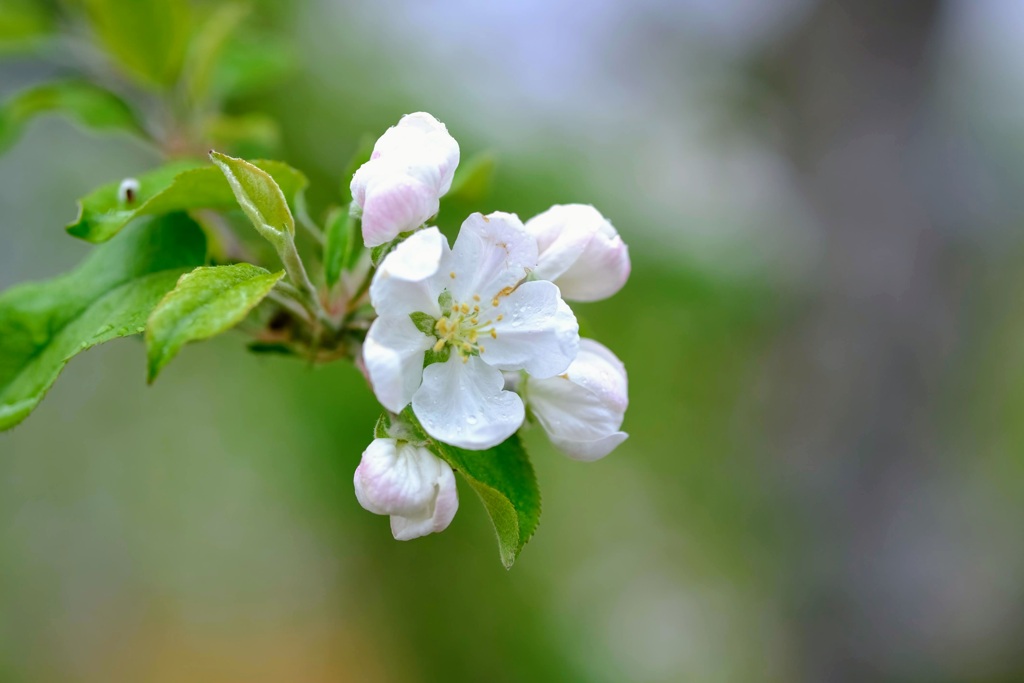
{"type": "Point", "coordinates": [476, 297]}
{"type": "Point", "coordinates": [439, 345]}
{"type": "Point", "coordinates": [482, 349]}
{"type": "Point", "coordinates": [452, 275]}
{"type": "Point", "coordinates": [465, 308]}
{"type": "Point", "coordinates": [501, 316]}
{"type": "Point", "coordinates": [494, 302]}
{"type": "Point", "coordinates": [472, 336]}
{"type": "Point", "coordinates": [494, 333]}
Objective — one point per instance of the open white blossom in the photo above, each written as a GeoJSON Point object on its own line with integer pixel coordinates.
{"type": "Point", "coordinates": [580, 251]}
{"type": "Point", "coordinates": [471, 308]}
{"type": "Point", "coordinates": [400, 187]}
{"type": "Point", "coordinates": [582, 409]}
{"type": "Point", "coordinates": [410, 483]}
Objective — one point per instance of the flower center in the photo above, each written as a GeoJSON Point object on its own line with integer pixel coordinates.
{"type": "Point", "coordinates": [464, 326]}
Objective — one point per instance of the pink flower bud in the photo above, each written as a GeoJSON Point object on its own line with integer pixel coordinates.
{"type": "Point", "coordinates": [580, 251]}
{"type": "Point", "coordinates": [400, 187]}
{"type": "Point", "coordinates": [582, 409]}
{"type": "Point", "coordinates": [409, 483]}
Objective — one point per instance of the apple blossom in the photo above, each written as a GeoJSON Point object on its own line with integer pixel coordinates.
{"type": "Point", "coordinates": [400, 187]}
{"type": "Point", "coordinates": [408, 482]}
{"type": "Point", "coordinates": [580, 251]}
{"type": "Point", "coordinates": [471, 308]}
{"type": "Point", "coordinates": [582, 409]}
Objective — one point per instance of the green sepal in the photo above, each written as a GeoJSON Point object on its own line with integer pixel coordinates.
{"type": "Point", "coordinates": [445, 301]}
{"type": "Point", "coordinates": [380, 430]}
{"type": "Point", "coordinates": [378, 253]}
{"type": "Point", "coordinates": [84, 102]}
{"type": "Point", "coordinates": [424, 323]}
{"type": "Point", "coordinates": [109, 295]}
{"type": "Point", "coordinates": [177, 186]}
{"type": "Point", "coordinates": [203, 304]}
{"type": "Point", "coordinates": [431, 356]}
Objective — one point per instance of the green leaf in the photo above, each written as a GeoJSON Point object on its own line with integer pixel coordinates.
{"type": "Point", "coordinates": [43, 325]}
{"type": "Point", "coordinates": [424, 323]}
{"type": "Point", "coordinates": [250, 64]}
{"type": "Point", "coordinates": [250, 134]}
{"type": "Point", "coordinates": [22, 22]}
{"type": "Point", "coordinates": [84, 102]}
{"type": "Point", "coordinates": [504, 479]}
{"type": "Point", "coordinates": [271, 349]}
{"type": "Point", "coordinates": [338, 238]}
{"type": "Point", "coordinates": [179, 186]}
{"type": "Point", "coordinates": [203, 304]}
{"type": "Point", "coordinates": [260, 197]}
{"type": "Point", "coordinates": [473, 180]}
{"type": "Point", "coordinates": [147, 38]}
{"type": "Point", "coordinates": [207, 46]}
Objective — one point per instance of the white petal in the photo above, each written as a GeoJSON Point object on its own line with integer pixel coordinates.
{"type": "Point", "coordinates": [394, 202]}
{"type": "Point", "coordinates": [407, 280]}
{"type": "Point", "coordinates": [465, 404]}
{"type": "Point", "coordinates": [393, 354]}
{"type": "Point", "coordinates": [588, 451]}
{"type": "Point", "coordinates": [445, 505]}
{"type": "Point", "coordinates": [397, 478]}
{"type": "Point", "coordinates": [490, 254]}
{"type": "Point", "coordinates": [600, 272]}
{"type": "Point", "coordinates": [420, 140]}
{"type": "Point", "coordinates": [537, 333]}
{"type": "Point", "coordinates": [562, 232]}
{"type": "Point", "coordinates": [580, 251]}
{"type": "Point", "coordinates": [582, 409]}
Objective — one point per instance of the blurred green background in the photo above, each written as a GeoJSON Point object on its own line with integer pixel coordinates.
{"type": "Point", "coordinates": [824, 332]}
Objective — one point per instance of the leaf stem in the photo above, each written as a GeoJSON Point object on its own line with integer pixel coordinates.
{"type": "Point", "coordinates": [288, 302]}
{"type": "Point", "coordinates": [309, 297]}
{"type": "Point", "coordinates": [307, 223]}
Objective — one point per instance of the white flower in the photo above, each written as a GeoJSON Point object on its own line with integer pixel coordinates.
{"type": "Point", "coordinates": [470, 307]}
{"type": "Point", "coordinates": [400, 187]}
{"type": "Point", "coordinates": [580, 251]}
{"type": "Point", "coordinates": [582, 409]}
{"type": "Point", "coordinates": [409, 483]}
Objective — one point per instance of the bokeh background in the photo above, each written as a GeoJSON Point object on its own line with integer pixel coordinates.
{"type": "Point", "coordinates": [824, 332]}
